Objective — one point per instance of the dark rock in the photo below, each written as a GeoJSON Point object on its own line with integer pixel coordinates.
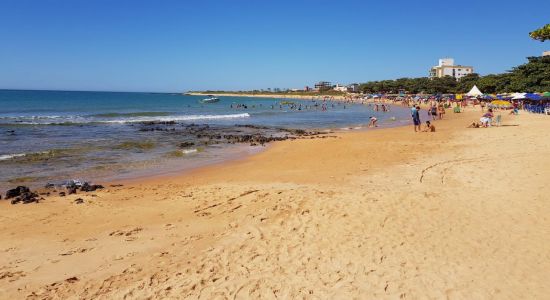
{"type": "Point", "coordinates": [186, 144]}
{"type": "Point", "coordinates": [62, 194]}
{"type": "Point", "coordinates": [26, 197]}
{"type": "Point", "coordinates": [16, 192]}
{"type": "Point", "coordinates": [86, 187]}
{"type": "Point", "coordinates": [71, 190]}
{"type": "Point", "coordinates": [49, 185]}
{"type": "Point", "coordinates": [79, 201]}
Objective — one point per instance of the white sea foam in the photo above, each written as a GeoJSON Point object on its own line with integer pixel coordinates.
{"type": "Point", "coordinates": [83, 120]}
{"type": "Point", "coordinates": [10, 156]}
{"type": "Point", "coordinates": [189, 151]}
{"type": "Point", "coordinates": [179, 118]}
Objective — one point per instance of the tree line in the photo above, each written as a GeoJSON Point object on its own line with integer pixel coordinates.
{"type": "Point", "coordinates": [533, 76]}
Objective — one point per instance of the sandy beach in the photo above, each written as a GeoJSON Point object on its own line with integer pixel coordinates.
{"type": "Point", "coordinates": [380, 214]}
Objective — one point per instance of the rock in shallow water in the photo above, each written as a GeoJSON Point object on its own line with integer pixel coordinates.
{"type": "Point", "coordinates": [16, 192]}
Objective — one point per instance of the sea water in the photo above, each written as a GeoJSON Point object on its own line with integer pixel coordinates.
{"type": "Point", "coordinates": [48, 136]}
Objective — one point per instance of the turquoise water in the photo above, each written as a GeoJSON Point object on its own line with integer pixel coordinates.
{"type": "Point", "coordinates": [55, 135]}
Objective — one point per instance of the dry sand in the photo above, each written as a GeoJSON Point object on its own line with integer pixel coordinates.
{"type": "Point", "coordinates": [457, 214]}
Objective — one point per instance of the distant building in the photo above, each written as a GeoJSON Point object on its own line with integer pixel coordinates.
{"type": "Point", "coordinates": [340, 88]}
{"type": "Point", "coordinates": [323, 85]}
{"type": "Point", "coordinates": [447, 67]}
{"type": "Point", "coordinates": [307, 88]}
{"type": "Point", "coordinates": [546, 53]}
{"type": "Point", "coordinates": [353, 88]}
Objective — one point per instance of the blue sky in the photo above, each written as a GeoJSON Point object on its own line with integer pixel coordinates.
{"type": "Point", "coordinates": [123, 45]}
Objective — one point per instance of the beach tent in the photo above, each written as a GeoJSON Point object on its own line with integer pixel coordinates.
{"type": "Point", "coordinates": [487, 97]}
{"type": "Point", "coordinates": [474, 92]}
{"type": "Point", "coordinates": [518, 96]}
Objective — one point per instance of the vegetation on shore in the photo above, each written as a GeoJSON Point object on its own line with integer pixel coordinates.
{"type": "Point", "coordinates": [282, 93]}
{"type": "Point", "coordinates": [534, 76]}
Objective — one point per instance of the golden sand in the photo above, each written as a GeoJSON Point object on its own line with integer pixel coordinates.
{"type": "Point", "coordinates": [456, 214]}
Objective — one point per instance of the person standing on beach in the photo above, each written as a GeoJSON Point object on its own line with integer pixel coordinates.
{"type": "Point", "coordinates": [415, 113]}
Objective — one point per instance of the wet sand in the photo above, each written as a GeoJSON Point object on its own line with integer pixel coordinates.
{"type": "Point", "coordinates": [458, 214]}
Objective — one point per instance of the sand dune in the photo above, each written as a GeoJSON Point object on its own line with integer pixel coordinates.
{"type": "Point", "coordinates": [457, 214]}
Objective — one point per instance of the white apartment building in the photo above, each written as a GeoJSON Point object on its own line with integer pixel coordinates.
{"type": "Point", "coordinates": [340, 88]}
{"type": "Point", "coordinates": [447, 67]}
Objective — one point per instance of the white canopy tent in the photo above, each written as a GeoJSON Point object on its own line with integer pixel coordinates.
{"type": "Point", "coordinates": [518, 96]}
{"type": "Point", "coordinates": [474, 92]}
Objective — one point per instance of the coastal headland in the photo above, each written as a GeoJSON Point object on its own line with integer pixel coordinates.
{"type": "Point", "coordinates": [461, 213]}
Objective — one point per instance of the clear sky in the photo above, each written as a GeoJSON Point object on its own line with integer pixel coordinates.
{"type": "Point", "coordinates": [169, 45]}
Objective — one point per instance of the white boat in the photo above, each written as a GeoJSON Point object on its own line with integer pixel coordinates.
{"type": "Point", "coordinates": [210, 99]}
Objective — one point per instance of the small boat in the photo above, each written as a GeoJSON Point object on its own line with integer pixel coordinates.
{"type": "Point", "coordinates": [210, 99]}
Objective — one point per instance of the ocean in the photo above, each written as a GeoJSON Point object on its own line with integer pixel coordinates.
{"type": "Point", "coordinates": [52, 136]}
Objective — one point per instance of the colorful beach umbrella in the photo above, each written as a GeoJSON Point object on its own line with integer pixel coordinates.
{"type": "Point", "coordinates": [532, 96]}
{"type": "Point", "coordinates": [501, 103]}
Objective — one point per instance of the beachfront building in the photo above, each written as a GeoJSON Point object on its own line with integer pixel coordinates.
{"type": "Point", "coordinates": [340, 88]}
{"type": "Point", "coordinates": [353, 88]}
{"type": "Point", "coordinates": [323, 85]}
{"type": "Point", "coordinates": [447, 67]}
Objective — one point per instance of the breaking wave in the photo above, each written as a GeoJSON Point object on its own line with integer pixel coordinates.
{"type": "Point", "coordinates": [78, 120]}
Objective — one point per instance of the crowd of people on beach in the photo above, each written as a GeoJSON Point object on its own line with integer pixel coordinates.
{"type": "Point", "coordinates": [435, 107]}
{"type": "Point", "coordinates": [314, 105]}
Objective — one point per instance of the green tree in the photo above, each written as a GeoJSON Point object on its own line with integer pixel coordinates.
{"type": "Point", "coordinates": [467, 82]}
{"type": "Point", "coordinates": [542, 34]}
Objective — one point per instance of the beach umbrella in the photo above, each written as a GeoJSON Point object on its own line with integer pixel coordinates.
{"type": "Point", "coordinates": [532, 96]}
{"type": "Point", "coordinates": [504, 97]}
{"type": "Point", "coordinates": [501, 103]}
{"type": "Point", "coordinates": [487, 97]}
{"type": "Point", "coordinates": [546, 94]}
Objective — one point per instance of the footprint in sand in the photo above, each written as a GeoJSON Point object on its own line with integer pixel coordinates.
{"type": "Point", "coordinates": [12, 276]}
{"type": "Point", "coordinates": [76, 250]}
{"type": "Point", "coordinates": [126, 232]}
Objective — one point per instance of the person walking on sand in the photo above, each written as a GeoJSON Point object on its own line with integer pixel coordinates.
{"type": "Point", "coordinates": [415, 113]}
{"type": "Point", "coordinates": [433, 112]}
{"type": "Point", "coordinates": [440, 111]}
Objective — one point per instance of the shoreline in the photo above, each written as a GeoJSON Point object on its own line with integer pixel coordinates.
{"type": "Point", "coordinates": [372, 214]}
